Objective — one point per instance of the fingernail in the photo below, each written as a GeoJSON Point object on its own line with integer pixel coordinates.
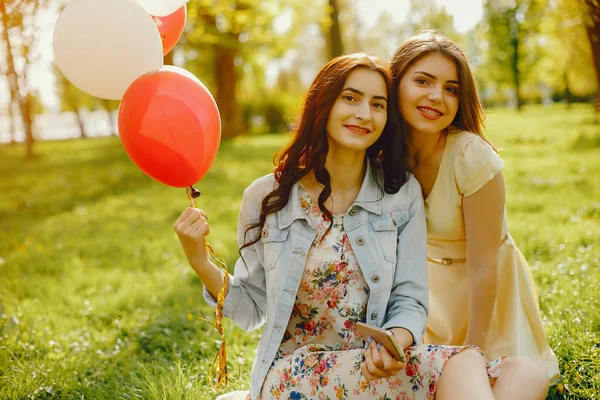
{"type": "Point", "coordinates": [370, 340]}
{"type": "Point", "coordinates": [379, 346]}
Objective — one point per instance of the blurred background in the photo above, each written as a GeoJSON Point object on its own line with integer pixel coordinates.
{"type": "Point", "coordinates": [97, 300]}
{"type": "Point", "coordinates": [258, 56]}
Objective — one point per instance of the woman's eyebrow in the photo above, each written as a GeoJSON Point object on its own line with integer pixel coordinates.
{"type": "Point", "coordinates": [351, 89]}
{"type": "Point", "coordinates": [435, 77]}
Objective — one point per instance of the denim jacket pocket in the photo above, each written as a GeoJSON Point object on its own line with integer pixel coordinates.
{"type": "Point", "coordinates": [273, 241]}
{"type": "Point", "coordinates": [387, 235]}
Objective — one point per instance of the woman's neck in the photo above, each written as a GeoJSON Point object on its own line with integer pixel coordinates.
{"type": "Point", "coordinates": [422, 146]}
{"type": "Point", "coordinates": [346, 171]}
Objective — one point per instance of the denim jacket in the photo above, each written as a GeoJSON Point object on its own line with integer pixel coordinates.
{"type": "Point", "coordinates": [387, 234]}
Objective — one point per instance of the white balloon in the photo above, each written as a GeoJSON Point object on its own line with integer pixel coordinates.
{"type": "Point", "coordinates": [161, 8]}
{"type": "Point", "coordinates": [102, 46]}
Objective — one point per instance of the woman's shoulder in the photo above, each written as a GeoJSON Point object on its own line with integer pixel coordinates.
{"type": "Point", "coordinates": [259, 189]}
{"type": "Point", "coordinates": [460, 139]}
{"type": "Point", "coordinates": [266, 182]}
{"type": "Point", "coordinates": [474, 160]}
{"type": "Point", "coordinates": [465, 144]}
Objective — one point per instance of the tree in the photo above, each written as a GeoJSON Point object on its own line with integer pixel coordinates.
{"type": "Point", "coordinates": [15, 16]}
{"type": "Point", "coordinates": [334, 42]}
{"type": "Point", "coordinates": [73, 100]}
{"type": "Point", "coordinates": [593, 30]}
{"type": "Point", "coordinates": [513, 50]}
{"type": "Point", "coordinates": [383, 39]}
{"type": "Point", "coordinates": [110, 106]}
{"type": "Point", "coordinates": [427, 14]}
{"type": "Point", "coordinates": [567, 63]}
{"type": "Point", "coordinates": [230, 39]}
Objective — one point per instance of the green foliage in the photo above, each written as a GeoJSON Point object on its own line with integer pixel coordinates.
{"type": "Point", "coordinates": [71, 98]}
{"type": "Point", "coordinates": [37, 107]}
{"type": "Point", "coordinates": [426, 14]}
{"type": "Point", "coordinates": [513, 46]}
{"type": "Point", "coordinates": [567, 63]}
{"type": "Point", "coordinates": [272, 113]}
{"type": "Point", "coordinates": [246, 27]}
{"type": "Point", "coordinates": [97, 300]}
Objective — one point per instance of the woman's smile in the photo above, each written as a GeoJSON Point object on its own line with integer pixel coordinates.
{"type": "Point", "coordinates": [430, 112]}
{"type": "Point", "coordinates": [358, 130]}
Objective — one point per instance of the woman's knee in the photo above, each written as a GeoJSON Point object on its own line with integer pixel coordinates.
{"type": "Point", "coordinates": [468, 359]}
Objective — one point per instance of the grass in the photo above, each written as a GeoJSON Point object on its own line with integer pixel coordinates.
{"type": "Point", "coordinates": [97, 301]}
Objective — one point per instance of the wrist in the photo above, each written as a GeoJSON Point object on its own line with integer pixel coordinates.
{"type": "Point", "coordinates": [403, 336]}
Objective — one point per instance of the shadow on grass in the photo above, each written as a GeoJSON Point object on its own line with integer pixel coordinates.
{"type": "Point", "coordinates": [68, 176]}
{"type": "Point", "coordinates": [95, 169]}
{"type": "Point", "coordinates": [586, 142]}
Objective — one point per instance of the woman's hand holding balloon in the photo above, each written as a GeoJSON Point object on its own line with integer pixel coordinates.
{"type": "Point", "coordinates": [192, 228]}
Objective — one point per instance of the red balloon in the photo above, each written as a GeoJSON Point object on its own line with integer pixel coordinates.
{"type": "Point", "coordinates": [171, 28]}
{"type": "Point", "coordinates": [170, 126]}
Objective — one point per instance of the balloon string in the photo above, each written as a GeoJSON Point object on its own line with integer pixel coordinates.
{"type": "Point", "coordinates": [217, 375]}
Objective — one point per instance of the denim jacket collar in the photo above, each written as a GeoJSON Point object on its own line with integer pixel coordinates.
{"type": "Point", "coordinates": [367, 198]}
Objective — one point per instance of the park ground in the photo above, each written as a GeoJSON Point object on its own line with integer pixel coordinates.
{"type": "Point", "coordinates": [97, 300]}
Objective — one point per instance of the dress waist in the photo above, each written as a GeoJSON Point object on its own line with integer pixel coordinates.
{"type": "Point", "coordinates": [448, 252]}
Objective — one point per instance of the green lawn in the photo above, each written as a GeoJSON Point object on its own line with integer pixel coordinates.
{"type": "Point", "coordinates": [97, 301]}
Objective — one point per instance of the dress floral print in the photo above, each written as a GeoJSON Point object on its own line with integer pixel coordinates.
{"type": "Point", "coordinates": [321, 351]}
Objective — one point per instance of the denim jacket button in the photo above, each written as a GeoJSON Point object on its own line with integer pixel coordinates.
{"type": "Point", "coordinates": [353, 212]}
{"type": "Point", "coordinates": [264, 233]}
{"type": "Point", "coordinates": [374, 315]}
{"type": "Point", "coordinates": [360, 241]}
{"type": "Point", "coordinates": [375, 278]}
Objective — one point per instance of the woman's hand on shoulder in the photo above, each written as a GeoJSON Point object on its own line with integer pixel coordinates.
{"type": "Point", "coordinates": [379, 363]}
{"type": "Point", "coordinates": [192, 228]}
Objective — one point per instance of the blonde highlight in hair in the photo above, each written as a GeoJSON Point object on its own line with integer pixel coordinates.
{"type": "Point", "coordinates": [470, 115]}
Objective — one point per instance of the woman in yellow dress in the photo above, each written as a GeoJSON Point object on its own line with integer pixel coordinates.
{"type": "Point", "coordinates": [481, 290]}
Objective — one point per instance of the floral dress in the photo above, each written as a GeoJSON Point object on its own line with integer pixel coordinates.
{"type": "Point", "coordinates": [321, 351]}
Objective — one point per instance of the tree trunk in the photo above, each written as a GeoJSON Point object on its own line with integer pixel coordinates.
{"type": "Point", "coordinates": [568, 93]}
{"type": "Point", "coordinates": [81, 124]}
{"type": "Point", "coordinates": [111, 126]}
{"type": "Point", "coordinates": [12, 126]}
{"type": "Point", "coordinates": [13, 80]}
{"type": "Point", "coordinates": [593, 32]}
{"type": "Point", "coordinates": [515, 67]}
{"type": "Point", "coordinates": [226, 98]}
{"type": "Point", "coordinates": [335, 37]}
{"type": "Point", "coordinates": [28, 125]}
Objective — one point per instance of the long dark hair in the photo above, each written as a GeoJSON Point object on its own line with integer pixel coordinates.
{"type": "Point", "coordinates": [309, 146]}
{"type": "Point", "coordinates": [470, 115]}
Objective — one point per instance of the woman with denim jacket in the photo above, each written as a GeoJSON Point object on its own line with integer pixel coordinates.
{"type": "Point", "coordinates": [335, 236]}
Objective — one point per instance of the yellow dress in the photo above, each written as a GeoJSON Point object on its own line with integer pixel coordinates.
{"type": "Point", "coordinates": [468, 163]}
